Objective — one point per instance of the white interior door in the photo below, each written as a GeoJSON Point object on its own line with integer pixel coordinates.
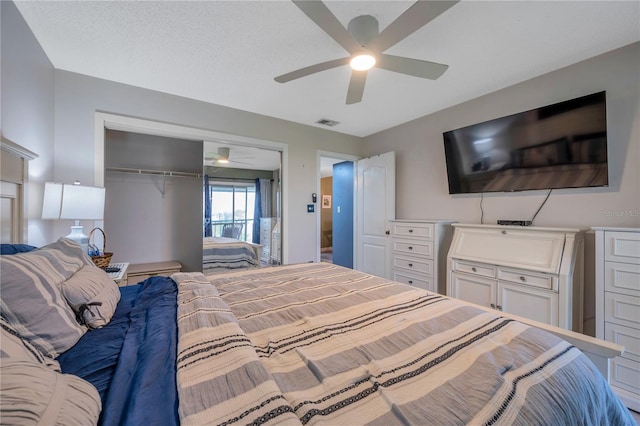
{"type": "Point", "coordinates": [375, 207]}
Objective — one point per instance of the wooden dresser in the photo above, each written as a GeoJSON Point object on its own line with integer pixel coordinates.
{"type": "Point", "coordinates": [533, 272]}
{"type": "Point", "coordinates": [419, 253]}
{"type": "Point", "coordinates": [618, 306]}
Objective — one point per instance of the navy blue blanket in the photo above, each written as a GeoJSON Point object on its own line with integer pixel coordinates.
{"type": "Point", "coordinates": [132, 360]}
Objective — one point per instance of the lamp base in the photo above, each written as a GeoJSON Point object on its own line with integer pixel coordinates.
{"type": "Point", "coordinates": [79, 237]}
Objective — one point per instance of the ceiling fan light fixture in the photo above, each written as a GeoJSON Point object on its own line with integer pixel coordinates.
{"type": "Point", "coordinates": [223, 155]}
{"type": "Point", "coordinates": [362, 62]}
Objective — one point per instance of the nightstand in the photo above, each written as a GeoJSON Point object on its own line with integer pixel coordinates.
{"type": "Point", "coordinates": [119, 277]}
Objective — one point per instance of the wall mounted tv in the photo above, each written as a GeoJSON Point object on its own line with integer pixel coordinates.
{"type": "Point", "coordinates": [563, 145]}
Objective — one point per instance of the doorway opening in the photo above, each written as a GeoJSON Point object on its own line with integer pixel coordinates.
{"type": "Point", "coordinates": [335, 203]}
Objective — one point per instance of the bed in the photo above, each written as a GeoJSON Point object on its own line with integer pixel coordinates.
{"type": "Point", "coordinates": [220, 254]}
{"type": "Point", "coordinates": [312, 343]}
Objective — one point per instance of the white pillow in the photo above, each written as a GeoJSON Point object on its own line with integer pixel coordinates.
{"type": "Point", "coordinates": [92, 295]}
{"type": "Point", "coordinates": [31, 393]}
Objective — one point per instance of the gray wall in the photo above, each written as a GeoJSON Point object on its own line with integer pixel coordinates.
{"type": "Point", "coordinates": [27, 116]}
{"type": "Point", "coordinates": [78, 97]}
{"type": "Point", "coordinates": [422, 190]}
{"type": "Point", "coordinates": [421, 182]}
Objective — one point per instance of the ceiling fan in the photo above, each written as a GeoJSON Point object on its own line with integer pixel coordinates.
{"type": "Point", "coordinates": [222, 157]}
{"type": "Point", "coordinates": [365, 45]}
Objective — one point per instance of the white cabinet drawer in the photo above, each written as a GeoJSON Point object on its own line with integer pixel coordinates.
{"type": "Point", "coordinates": [474, 269]}
{"type": "Point", "coordinates": [419, 249]}
{"type": "Point", "coordinates": [622, 278]}
{"type": "Point", "coordinates": [622, 247]}
{"type": "Point", "coordinates": [419, 265]}
{"type": "Point", "coordinates": [625, 336]}
{"type": "Point", "coordinates": [421, 230]}
{"type": "Point", "coordinates": [423, 282]}
{"type": "Point", "coordinates": [622, 309]}
{"type": "Point", "coordinates": [540, 281]}
{"type": "Point", "coordinates": [625, 374]}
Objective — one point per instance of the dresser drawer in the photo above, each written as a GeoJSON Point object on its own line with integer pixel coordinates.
{"type": "Point", "coordinates": [622, 309]}
{"type": "Point", "coordinates": [419, 265]}
{"type": "Point", "coordinates": [540, 281]}
{"type": "Point", "coordinates": [622, 278]}
{"type": "Point", "coordinates": [415, 248]}
{"type": "Point", "coordinates": [622, 247]}
{"type": "Point", "coordinates": [625, 336]}
{"type": "Point", "coordinates": [422, 282]}
{"type": "Point", "coordinates": [475, 269]}
{"type": "Point", "coordinates": [625, 374]}
{"type": "Point", "coordinates": [421, 230]}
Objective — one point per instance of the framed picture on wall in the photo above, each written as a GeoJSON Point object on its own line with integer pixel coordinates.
{"type": "Point", "coordinates": [326, 201]}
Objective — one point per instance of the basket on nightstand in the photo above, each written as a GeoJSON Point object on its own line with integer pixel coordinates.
{"type": "Point", "coordinates": [100, 260]}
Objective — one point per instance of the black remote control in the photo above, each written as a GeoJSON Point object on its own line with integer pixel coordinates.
{"type": "Point", "coordinates": [109, 269]}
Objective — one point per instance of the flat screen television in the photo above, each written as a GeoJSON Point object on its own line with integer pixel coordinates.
{"type": "Point", "coordinates": [563, 145]}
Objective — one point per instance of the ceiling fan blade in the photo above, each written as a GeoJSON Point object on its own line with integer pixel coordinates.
{"type": "Point", "coordinates": [318, 12]}
{"type": "Point", "coordinates": [356, 87]}
{"type": "Point", "coordinates": [312, 69]}
{"type": "Point", "coordinates": [414, 18]}
{"type": "Point", "coordinates": [414, 67]}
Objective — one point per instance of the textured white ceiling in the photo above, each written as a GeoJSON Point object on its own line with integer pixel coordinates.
{"type": "Point", "coordinates": [228, 52]}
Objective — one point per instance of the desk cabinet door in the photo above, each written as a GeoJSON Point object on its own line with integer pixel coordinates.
{"type": "Point", "coordinates": [536, 304]}
{"type": "Point", "coordinates": [478, 290]}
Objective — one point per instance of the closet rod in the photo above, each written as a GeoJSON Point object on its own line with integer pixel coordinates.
{"type": "Point", "coordinates": [164, 173]}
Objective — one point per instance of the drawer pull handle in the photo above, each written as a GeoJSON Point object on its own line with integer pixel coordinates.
{"type": "Point", "coordinates": [410, 281]}
{"type": "Point", "coordinates": [411, 265]}
{"type": "Point", "coordinates": [474, 269]}
{"type": "Point", "coordinates": [504, 232]}
{"type": "Point", "coordinates": [410, 231]}
{"type": "Point", "coordinates": [523, 279]}
{"type": "Point", "coordinates": [410, 248]}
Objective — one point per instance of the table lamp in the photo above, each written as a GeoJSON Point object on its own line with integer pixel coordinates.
{"type": "Point", "coordinates": [65, 201]}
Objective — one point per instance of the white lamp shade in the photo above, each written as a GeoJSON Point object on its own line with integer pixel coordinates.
{"type": "Point", "coordinates": [52, 200]}
{"type": "Point", "coordinates": [64, 201]}
{"type": "Point", "coordinates": [82, 202]}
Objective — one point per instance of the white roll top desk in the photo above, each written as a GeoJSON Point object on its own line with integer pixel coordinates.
{"type": "Point", "coordinates": [532, 272]}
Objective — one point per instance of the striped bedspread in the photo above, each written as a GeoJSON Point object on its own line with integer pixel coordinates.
{"type": "Point", "coordinates": [321, 344]}
{"type": "Point", "coordinates": [228, 253]}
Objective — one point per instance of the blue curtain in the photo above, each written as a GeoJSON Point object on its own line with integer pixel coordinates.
{"type": "Point", "coordinates": [207, 207]}
{"type": "Point", "coordinates": [257, 214]}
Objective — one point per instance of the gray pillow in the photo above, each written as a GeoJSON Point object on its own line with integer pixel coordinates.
{"type": "Point", "coordinates": [31, 393]}
{"type": "Point", "coordinates": [14, 346]}
{"type": "Point", "coordinates": [31, 301]}
{"type": "Point", "coordinates": [92, 295]}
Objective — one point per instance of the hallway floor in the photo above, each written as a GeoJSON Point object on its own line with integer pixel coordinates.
{"type": "Point", "coordinates": [326, 254]}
